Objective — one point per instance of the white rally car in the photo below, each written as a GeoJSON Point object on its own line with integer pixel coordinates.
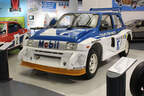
{"type": "Point", "coordinates": [77, 44]}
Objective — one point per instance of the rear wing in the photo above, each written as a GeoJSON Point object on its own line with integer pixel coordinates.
{"type": "Point", "coordinates": [118, 9]}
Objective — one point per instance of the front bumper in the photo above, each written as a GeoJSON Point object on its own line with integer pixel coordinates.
{"type": "Point", "coordinates": [60, 61]}
{"type": "Point", "coordinates": [54, 70]}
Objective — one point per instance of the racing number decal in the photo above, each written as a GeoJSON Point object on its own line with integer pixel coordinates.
{"type": "Point", "coordinates": [119, 41]}
{"type": "Point", "coordinates": [16, 39]}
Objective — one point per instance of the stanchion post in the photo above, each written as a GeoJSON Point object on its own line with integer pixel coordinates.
{"type": "Point", "coordinates": [4, 70]}
{"type": "Point", "coordinates": [116, 77]}
{"type": "Point", "coordinates": [116, 84]}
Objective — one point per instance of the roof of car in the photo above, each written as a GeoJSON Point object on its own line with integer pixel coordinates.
{"type": "Point", "coordinates": [95, 12]}
{"type": "Point", "coordinates": [8, 22]}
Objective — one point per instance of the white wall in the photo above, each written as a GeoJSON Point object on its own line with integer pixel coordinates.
{"type": "Point", "coordinates": [87, 4]}
{"type": "Point", "coordinates": [127, 16]}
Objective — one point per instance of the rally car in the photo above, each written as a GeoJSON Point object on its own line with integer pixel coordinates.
{"type": "Point", "coordinates": [11, 32]}
{"type": "Point", "coordinates": [77, 44]}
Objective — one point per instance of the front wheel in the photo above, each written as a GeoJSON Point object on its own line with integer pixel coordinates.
{"type": "Point", "coordinates": [126, 51]}
{"type": "Point", "coordinates": [92, 63]}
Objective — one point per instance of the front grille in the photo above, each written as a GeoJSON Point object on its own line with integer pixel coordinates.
{"type": "Point", "coordinates": [48, 56]}
{"type": "Point", "coordinates": [49, 52]}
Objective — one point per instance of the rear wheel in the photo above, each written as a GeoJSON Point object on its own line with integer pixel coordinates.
{"type": "Point", "coordinates": [126, 51]}
{"type": "Point", "coordinates": [92, 65]}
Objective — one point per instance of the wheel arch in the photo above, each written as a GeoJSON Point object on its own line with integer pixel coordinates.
{"type": "Point", "coordinates": [98, 46]}
{"type": "Point", "coordinates": [129, 35]}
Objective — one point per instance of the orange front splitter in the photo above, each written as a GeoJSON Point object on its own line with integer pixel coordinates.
{"type": "Point", "coordinates": [54, 70]}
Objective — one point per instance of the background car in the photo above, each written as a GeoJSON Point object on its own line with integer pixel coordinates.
{"type": "Point", "coordinates": [11, 32]}
{"type": "Point", "coordinates": [137, 27]}
{"type": "Point", "coordinates": [132, 3]}
{"type": "Point", "coordinates": [140, 3]}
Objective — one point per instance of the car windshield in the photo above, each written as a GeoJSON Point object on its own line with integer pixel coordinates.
{"type": "Point", "coordinates": [78, 21]}
{"type": "Point", "coordinates": [3, 28]}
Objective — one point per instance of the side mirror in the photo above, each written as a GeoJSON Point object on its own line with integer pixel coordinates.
{"type": "Point", "coordinates": [52, 22]}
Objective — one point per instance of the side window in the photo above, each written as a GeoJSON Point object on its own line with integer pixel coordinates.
{"type": "Point", "coordinates": [66, 21]}
{"type": "Point", "coordinates": [117, 22]}
{"type": "Point", "coordinates": [3, 29]}
{"type": "Point", "coordinates": [13, 28]}
{"type": "Point", "coordinates": [106, 23]}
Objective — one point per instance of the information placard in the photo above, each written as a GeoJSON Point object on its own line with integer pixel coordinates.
{"type": "Point", "coordinates": [122, 65]}
{"type": "Point", "coordinates": [5, 45]}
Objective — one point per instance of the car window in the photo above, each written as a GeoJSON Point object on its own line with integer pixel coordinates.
{"type": "Point", "coordinates": [117, 22]}
{"type": "Point", "coordinates": [106, 23]}
{"type": "Point", "coordinates": [13, 28]}
{"type": "Point", "coordinates": [78, 20]}
{"type": "Point", "coordinates": [67, 20]}
{"type": "Point", "coordinates": [3, 29]}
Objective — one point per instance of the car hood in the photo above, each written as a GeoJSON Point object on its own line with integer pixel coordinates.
{"type": "Point", "coordinates": [61, 34]}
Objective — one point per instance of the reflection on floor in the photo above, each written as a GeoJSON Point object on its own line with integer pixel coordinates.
{"type": "Point", "coordinates": [73, 86]}
{"type": "Point", "coordinates": [14, 88]}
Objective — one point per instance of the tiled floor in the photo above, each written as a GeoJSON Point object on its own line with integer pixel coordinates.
{"type": "Point", "coordinates": [72, 86]}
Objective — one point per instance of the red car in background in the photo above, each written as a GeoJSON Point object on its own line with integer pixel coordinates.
{"type": "Point", "coordinates": [12, 32]}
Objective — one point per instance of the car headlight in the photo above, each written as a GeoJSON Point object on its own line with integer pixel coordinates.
{"type": "Point", "coordinates": [30, 43]}
{"type": "Point", "coordinates": [71, 46]}
{"type": "Point", "coordinates": [28, 34]}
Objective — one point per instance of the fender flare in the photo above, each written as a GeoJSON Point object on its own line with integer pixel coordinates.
{"type": "Point", "coordinates": [100, 48]}
{"type": "Point", "coordinates": [130, 36]}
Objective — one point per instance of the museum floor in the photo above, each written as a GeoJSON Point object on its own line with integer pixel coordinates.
{"type": "Point", "coordinates": [73, 86]}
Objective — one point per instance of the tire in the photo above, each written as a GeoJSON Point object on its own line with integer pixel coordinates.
{"type": "Point", "coordinates": [137, 81]}
{"type": "Point", "coordinates": [21, 47]}
{"type": "Point", "coordinates": [126, 51]}
{"type": "Point", "coordinates": [92, 64]}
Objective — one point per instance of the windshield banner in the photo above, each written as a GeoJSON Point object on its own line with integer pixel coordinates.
{"type": "Point", "coordinates": [129, 5]}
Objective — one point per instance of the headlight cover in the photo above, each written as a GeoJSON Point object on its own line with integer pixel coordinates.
{"type": "Point", "coordinates": [71, 46]}
{"type": "Point", "coordinates": [28, 34]}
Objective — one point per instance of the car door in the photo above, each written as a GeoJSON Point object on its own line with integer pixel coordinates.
{"type": "Point", "coordinates": [13, 33]}
{"type": "Point", "coordinates": [120, 37]}
{"type": "Point", "coordinates": [106, 32]}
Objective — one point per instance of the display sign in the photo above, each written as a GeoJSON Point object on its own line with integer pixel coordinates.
{"type": "Point", "coordinates": [122, 65]}
{"type": "Point", "coordinates": [129, 5]}
{"type": "Point", "coordinates": [5, 45]}
{"type": "Point", "coordinates": [46, 5]}
{"type": "Point", "coordinates": [15, 5]}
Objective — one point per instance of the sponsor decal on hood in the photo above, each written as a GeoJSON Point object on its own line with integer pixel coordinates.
{"type": "Point", "coordinates": [61, 34]}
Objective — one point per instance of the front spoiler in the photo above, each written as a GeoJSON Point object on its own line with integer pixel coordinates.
{"type": "Point", "coordinates": [54, 70]}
